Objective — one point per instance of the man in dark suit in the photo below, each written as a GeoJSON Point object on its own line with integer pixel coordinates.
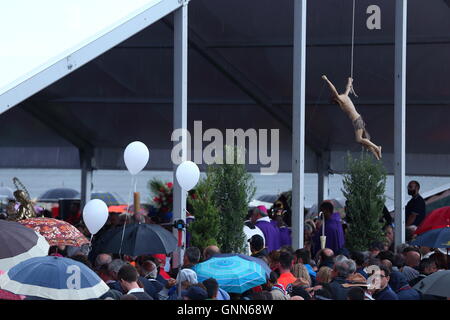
{"type": "Point", "coordinates": [128, 277]}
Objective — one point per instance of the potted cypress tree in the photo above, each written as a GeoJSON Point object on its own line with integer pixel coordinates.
{"type": "Point", "coordinates": [364, 188]}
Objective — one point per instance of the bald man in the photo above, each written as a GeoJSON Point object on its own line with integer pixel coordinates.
{"type": "Point", "coordinates": [412, 259]}
{"type": "Point", "coordinates": [210, 251]}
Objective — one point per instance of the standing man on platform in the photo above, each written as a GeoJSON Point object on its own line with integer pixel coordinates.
{"type": "Point", "coordinates": [415, 208]}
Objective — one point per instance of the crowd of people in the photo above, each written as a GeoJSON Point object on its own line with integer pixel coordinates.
{"type": "Point", "coordinates": [382, 272]}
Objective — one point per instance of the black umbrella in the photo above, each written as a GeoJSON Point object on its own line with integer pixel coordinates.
{"type": "Point", "coordinates": [437, 284]}
{"type": "Point", "coordinates": [19, 243]}
{"type": "Point", "coordinates": [59, 193]}
{"type": "Point", "coordinates": [138, 239]}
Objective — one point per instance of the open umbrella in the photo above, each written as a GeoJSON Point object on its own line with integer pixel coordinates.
{"type": "Point", "coordinates": [18, 243]}
{"type": "Point", "coordinates": [109, 198]}
{"type": "Point", "coordinates": [56, 194]}
{"type": "Point", "coordinates": [436, 238]}
{"type": "Point", "coordinates": [57, 232]}
{"type": "Point", "coordinates": [138, 239]}
{"type": "Point", "coordinates": [54, 278]}
{"type": "Point", "coordinates": [437, 284]}
{"type": "Point", "coordinates": [438, 218]}
{"type": "Point", "coordinates": [234, 273]}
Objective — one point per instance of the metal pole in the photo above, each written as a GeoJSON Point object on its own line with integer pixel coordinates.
{"type": "Point", "coordinates": [180, 115]}
{"type": "Point", "coordinates": [298, 124]}
{"type": "Point", "coordinates": [86, 159]}
{"type": "Point", "coordinates": [323, 178]}
{"type": "Point", "coordinates": [400, 118]}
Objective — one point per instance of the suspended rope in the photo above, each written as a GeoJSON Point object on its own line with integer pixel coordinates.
{"type": "Point", "coordinates": [352, 90]}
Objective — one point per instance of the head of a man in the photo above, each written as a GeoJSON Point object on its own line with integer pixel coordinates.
{"type": "Point", "coordinates": [384, 275]}
{"type": "Point", "coordinates": [427, 266]}
{"type": "Point", "coordinates": [412, 259]}
{"type": "Point", "coordinates": [359, 258]}
{"type": "Point", "coordinates": [148, 269]}
{"type": "Point", "coordinates": [114, 267]}
{"type": "Point", "coordinates": [413, 188]}
{"type": "Point", "coordinates": [326, 255]}
{"type": "Point", "coordinates": [102, 259]}
{"type": "Point", "coordinates": [258, 213]}
{"type": "Point", "coordinates": [212, 287]}
{"type": "Point", "coordinates": [285, 262]}
{"type": "Point", "coordinates": [128, 277]}
{"type": "Point", "coordinates": [191, 256]}
{"type": "Point", "coordinates": [256, 243]}
{"type": "Point", "coordinates": [343, 268]}
{"type": "Point", "coordinates": [327, 208]}
{"type": "Point", "coordinates": [210, 251]}
{"type": "Point", "coordinates": [303, 256]}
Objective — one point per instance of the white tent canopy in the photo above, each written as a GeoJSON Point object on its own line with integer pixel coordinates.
{"type": "Point", "coordinates": [53, 38]}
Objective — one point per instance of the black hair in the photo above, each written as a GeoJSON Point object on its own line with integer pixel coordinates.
{"type": "Point", "coordinates": [128, 273]}
{"type": "Point", "coordinates": [303, 254]}
{"type": "Point", "coordinates": [273, 277]}
{"type": "Point", "coordinates": [416, 183]}
{"type": "Point", "coordinates": [193, 254]}
{"type": "Point", "coordinates": [425, 263]}
{"type": "Point", "coordinates": [211, 286]}
{"type": "Point", "coordinates": [355, 293]}
{"type": "Point", "coordinates": [386, 255]}
{"type": "Point", "coordinates": [286, 259]}
{"type": "Point", "coordinates": [387, 271]}
{"type": "Point", "coordinates": [358, 257]}
{"type": "Point", "coordinates": [256, 242]}
{"type": "Point", "coordinates": [327, 206]}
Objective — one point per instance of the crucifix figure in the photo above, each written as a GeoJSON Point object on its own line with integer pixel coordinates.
{"type": "Point", "coordinates": [346, 104]}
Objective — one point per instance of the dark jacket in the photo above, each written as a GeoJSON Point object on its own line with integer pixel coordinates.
{"type": "Point", "coordinates": [398, 283]}
{"type": "Point", "coordinates": [338, 292]}
{"type": "Point", "coordinates": [385, 294]}
{"type": "Point", "coordinates": [151, 287]}
{"type": "Point", "coordinates": [141, 296]}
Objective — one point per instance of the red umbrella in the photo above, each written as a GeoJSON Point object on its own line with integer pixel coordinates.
{"type": "Point", "coordinates": [439, 218]}
{"type": "Point", "coordinates": [56, 232]}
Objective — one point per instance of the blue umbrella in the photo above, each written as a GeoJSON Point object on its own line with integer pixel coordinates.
{"type": "Point", "coordinates": [234, 273]}
{"type": "Point", "coordinates": [437, 238]}
{"type": "Point", "coordinates": [107, 197]}
{"type": "Point", "coordinates": [53, 278]}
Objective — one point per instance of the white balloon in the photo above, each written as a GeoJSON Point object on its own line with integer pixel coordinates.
{"type": "Point", "coordinates": [136, 157]}
{"type": "Point", "coordinates": [187, 175]}
{"type": "Point", "coordinates": [95, 214]}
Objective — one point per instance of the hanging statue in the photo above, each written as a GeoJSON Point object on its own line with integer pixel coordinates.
{"type": "Point", "coordinates": [346, 104]}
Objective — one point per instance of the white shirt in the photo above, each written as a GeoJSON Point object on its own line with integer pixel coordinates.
{"type": "Point", "coordinates": [135, 290]}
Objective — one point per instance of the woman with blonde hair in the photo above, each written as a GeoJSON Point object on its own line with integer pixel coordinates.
{"type": "Point", "coordinates": [299, 271]}
{"type": "Point", "coordinates": [324, 275]}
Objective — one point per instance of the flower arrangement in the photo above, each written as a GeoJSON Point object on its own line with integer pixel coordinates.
{"type": "Point", "coordinates": [162, 195]}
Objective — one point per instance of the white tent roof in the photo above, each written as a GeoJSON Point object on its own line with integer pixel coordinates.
{"type": "Point", "coordinates": [53, 38]}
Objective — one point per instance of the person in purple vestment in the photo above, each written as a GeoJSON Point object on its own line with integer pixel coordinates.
{"type": "Point", "coordinates": [333, 229]}
{"type": "Point", "coordinates": [260, 218]}
{"type": "Point", "coordinates": [284, 231]}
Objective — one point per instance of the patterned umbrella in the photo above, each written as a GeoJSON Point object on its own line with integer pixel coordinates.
{"type": "Point", "coordinates": [233, 273]}
{"type": "Point", "coordinates": [57, 232]}
{"type": "Point", "coordinates": [436, 238]}
{"type": "Point", "coordinates": [53, 278]}
{"type": "Point", "coordinates": [18, 243]}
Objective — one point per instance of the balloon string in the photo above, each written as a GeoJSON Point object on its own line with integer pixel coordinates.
{"type": "Point", "coordinates": [126, 213]}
